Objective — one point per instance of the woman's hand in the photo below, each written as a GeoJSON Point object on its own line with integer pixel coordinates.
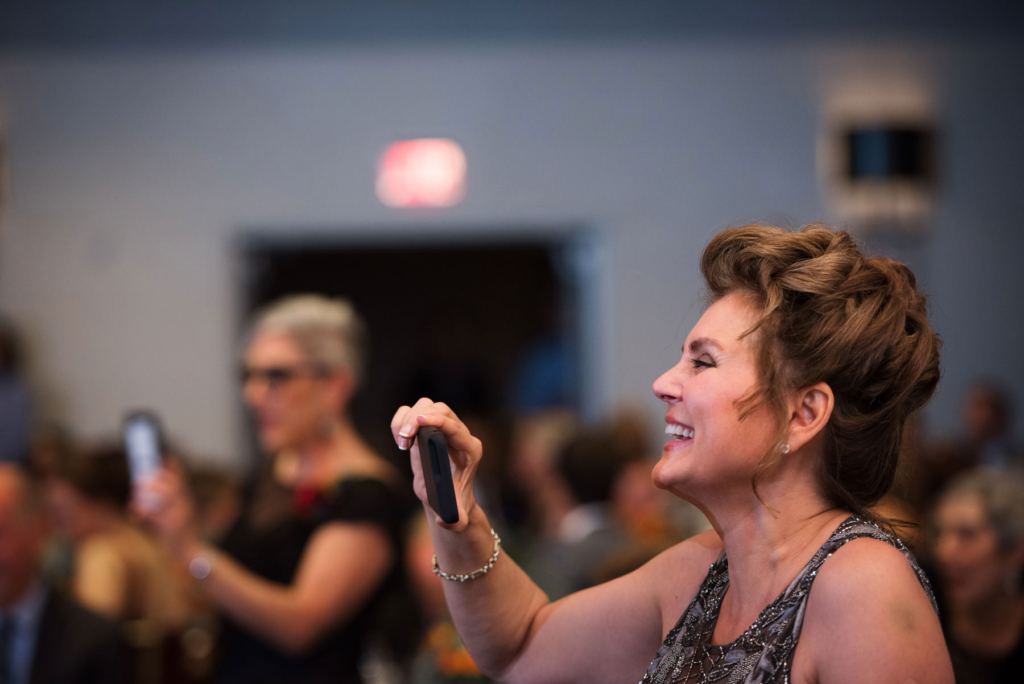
{"type": "Point", "coordinates": [163, 501]}
{"type": "Point", "coordinates": [464, 450]}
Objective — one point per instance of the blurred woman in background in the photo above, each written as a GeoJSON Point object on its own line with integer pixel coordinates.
{"type": "Point", "coordinates": [118, 570]}
{"type": "Point", "coordinates": [303, 586]}
{"type": "Point", "coordinates": [979, 556]}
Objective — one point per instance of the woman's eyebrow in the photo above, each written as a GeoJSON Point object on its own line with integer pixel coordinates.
{"type": "Point", "coordinates": [701, 344]}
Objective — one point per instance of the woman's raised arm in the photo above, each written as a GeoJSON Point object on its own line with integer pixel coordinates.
{"type": "Point", "coordinates": [607, 633]}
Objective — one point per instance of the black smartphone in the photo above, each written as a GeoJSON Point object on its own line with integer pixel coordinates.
{"type": "Point", "coordinates": [437, 473]}
{"type": "Point", "coordinates": [143, 443]}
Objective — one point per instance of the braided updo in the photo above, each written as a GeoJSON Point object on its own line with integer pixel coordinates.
{"type": "Point", "coordinates": [830, 314]}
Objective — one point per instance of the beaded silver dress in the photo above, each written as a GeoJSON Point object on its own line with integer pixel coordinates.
{"type": "Point", "coordinates": [763, 653]}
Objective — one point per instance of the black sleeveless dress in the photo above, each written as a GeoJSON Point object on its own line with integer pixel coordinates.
{"type": "Point", "coordinates": [274, 553]}
{"type": "Point", "coordinates": [764, 653]}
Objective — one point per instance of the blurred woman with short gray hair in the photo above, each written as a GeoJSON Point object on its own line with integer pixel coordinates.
{"type": "Point", "coordinates": [302, 587]}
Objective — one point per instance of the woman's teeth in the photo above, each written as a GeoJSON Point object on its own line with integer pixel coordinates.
{"type": "Point", "coordinates": [679, 431]}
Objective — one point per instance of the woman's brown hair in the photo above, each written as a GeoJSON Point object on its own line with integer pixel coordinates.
{"type": "Point", "coordinates": [830, 314]}
{"type": "Point", "coordinates": [100, 474]}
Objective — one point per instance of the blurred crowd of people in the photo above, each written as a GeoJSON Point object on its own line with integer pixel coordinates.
{"type": "Point", "coordinates": [319, 567]}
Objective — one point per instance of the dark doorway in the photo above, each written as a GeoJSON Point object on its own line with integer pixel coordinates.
{"type": "Point", "coordinates": [490, 328]}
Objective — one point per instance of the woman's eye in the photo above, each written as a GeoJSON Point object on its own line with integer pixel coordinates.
{"type": "Point", "coordinates": [700, 363]}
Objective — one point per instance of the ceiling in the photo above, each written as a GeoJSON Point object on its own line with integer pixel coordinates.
{"type": "Point", "coordinates": [90, 25]}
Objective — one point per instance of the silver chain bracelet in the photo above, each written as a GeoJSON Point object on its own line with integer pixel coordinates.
{"type": "Point", "coordinates": [476, 573]}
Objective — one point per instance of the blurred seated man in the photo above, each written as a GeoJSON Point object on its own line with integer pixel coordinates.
{"type": "Point", "coordinates": [45, 638]}
{"type": "Point", "coordinates": [119, 571]}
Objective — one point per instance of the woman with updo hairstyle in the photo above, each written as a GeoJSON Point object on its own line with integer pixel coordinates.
{"type": "Point", "coordinates": [309, 581]}
{"type": "Point", "coordinates": [978, 551]}
{"type": "Point", "coordinates": [784, 416]}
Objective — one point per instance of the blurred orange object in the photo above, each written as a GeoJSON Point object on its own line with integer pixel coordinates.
{"type": "Point", "coordinates": [453, 660]}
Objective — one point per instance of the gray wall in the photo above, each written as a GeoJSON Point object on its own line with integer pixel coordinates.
{"type": "Point", "coordinates": [131, 174]}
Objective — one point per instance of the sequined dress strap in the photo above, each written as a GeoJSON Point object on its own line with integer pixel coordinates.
{"type": "Point", "coordinates": [763, 653]}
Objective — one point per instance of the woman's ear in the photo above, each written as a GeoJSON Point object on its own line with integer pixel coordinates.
{"type": "Point", "coordinates": [341, 386]}
{"type": "Point", "coordinates": [809, 413]}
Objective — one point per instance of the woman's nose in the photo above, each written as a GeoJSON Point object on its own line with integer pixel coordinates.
{"type": "Point", "coordinates": [669, 386]}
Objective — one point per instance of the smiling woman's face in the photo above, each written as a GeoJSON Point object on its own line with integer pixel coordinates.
{"type": "Point", "coordinates": [710, 448]}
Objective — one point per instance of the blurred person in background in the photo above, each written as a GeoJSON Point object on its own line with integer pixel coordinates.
{"type": "Point", "coordinates": [988, 439]}
{"type": "Point", "coordinates": [650, 516]}
{"type": "Point", "coordinates": [118, 570]}
{"type": "Point", "coordinates": [645, 519]}
{"type": "Point", "coordinates": [588, 534]}
{"type": "Point", "coordinates": [15, 400]}
{"type": "Point", "coordinates": [312, 590]}
{"type": "Point", "coordinates": [45, 638]}
{"type": "Point", "coordinates": [52, 447]}
{"type": "Point", "coordinates": [985, 438]}
{"type": "Point", "coordinates": [979, 558]}
{"type": "Point", "coordinates": [537, 439]}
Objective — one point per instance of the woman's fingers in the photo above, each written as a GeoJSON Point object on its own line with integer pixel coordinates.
{"type": "Point", "coordinates": [397, 422]}
{"type": "Point", "coordinates": [462, 446]}
{"type": "Point", "coordinates": [158, 494]}
{"type": "Point", "coordinates": [464, 449]}
{"type": "Point", "coordinates": [404, 426]}
{"type": "Point", "coordinates": [151, 495]}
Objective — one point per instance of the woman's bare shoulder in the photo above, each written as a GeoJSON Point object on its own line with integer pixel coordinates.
{"type": "Point", "coordinates": [867, 599]}
{"type": "Point", "coordinates": [863, 568]}
{"type": "Point", "coordinates": [677, 573]}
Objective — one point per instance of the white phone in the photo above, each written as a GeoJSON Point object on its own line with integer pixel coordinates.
{"type": "Point", "coordinates": [142, 442]}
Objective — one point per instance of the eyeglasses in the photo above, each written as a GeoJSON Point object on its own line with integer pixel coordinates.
{"type": "Point", "coordinates": [275, 377]}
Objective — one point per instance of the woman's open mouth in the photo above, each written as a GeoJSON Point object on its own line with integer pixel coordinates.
{"type": "Point", "coordinates": [679, 433]}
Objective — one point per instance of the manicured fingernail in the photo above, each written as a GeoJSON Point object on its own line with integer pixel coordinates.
{"type": "Point", "coordinates": [404, 444]}
{"type": "Point", "coordinates": [406, 431]}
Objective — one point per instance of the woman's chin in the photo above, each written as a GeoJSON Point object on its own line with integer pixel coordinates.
{"type": "Point", "coordinates": [666, 474]}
